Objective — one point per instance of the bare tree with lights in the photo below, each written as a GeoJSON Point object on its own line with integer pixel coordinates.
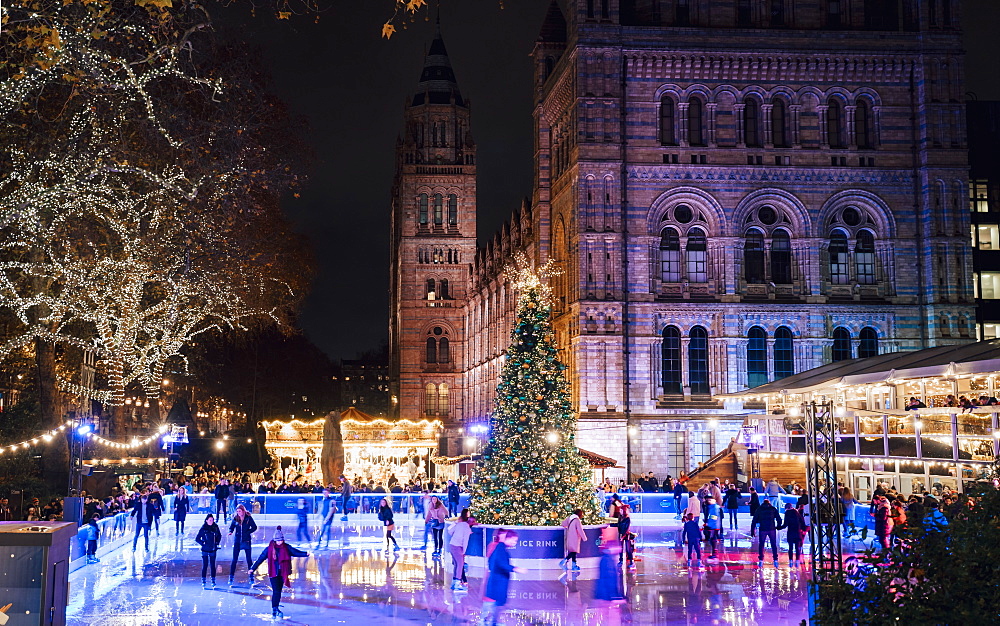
{"type": "Point", "coordinates": [139, 189]}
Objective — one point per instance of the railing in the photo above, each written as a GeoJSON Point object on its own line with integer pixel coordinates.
{"type": "Point", "coordinates": [712, 459]}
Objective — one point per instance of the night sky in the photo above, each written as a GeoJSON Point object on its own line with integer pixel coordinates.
{"type": "Point", "coordinates": [350, 85]}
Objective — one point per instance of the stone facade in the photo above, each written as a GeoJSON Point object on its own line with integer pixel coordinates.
{"type": "Point", "coordinates": [735, 189]}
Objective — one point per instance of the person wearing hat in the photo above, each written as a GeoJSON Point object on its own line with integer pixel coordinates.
{"type": "Point", "coordinates": [279, 567]}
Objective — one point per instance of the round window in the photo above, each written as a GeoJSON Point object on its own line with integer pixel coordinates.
{"type": "Point", "coordinates": [437, 330]}
{"type": "Point", "coordinates": [767, 215]}
{"type": "Point", "coordinates": [683, 214]}
{"type": "Point", "coordinates": [851, 216]}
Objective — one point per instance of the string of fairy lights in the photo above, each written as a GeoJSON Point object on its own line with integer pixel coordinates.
{"type": "Point", "coordinates": [83, 429]}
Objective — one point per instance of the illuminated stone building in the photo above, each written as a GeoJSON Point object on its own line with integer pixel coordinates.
{"type": "Point", "coordinates": [737, 190]}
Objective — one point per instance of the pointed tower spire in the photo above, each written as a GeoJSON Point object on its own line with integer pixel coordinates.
{"type": "Point", "coordinates": [437, 80]}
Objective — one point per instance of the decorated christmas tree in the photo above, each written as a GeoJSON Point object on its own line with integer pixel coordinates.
{"type": "Point", "coordinates": [531, 473]}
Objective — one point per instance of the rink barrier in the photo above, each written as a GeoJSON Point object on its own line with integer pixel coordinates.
{"type": "Point", "coordinates": [272, 509]}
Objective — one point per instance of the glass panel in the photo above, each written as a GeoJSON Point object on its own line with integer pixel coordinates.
{"type": "Point", "coordinates": [756, 357]}
{"type": "Point", "coordinates": [671, 360]}
{"type": "Point", "coordinates": [781, 258]}
{"type": "Point", "coordinates": [975, 448]}
{"type": "Point", "coordinates": [989, 285]}
{"type": "Point", "coordinates": [839, 273]}
{"type": "Point", "coordinates": [974, 423]}
{"type": "Point", "coordinates": [698, 360]}
{"type": "Point", "coordinates": [670, 256]}
{"type": "Point", "coordinates": [753, 257]}
{"type": "Point", "coordinates": [871, 446]}
{"type": "Point", "coordinates": [903, 446]}
{"type": "Point", "coordinates": [841, 344]}
{"type": "Point", "coordinates": [697, 256]}
{"type": "Point", "coordinates": [988, 236]}
{"type": "Point", "coordinates": [935, 447]}
{"type": "Point", "coordinates": [784, 356]}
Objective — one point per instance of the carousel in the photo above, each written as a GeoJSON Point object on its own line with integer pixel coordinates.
{"type": "Point", "coordinates": [295, 448]}
{"type": "Point", "coordinates": [376, 448]}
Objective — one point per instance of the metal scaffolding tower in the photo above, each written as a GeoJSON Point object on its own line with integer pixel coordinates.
{"type": "Point", "coordinates": [824, 501]}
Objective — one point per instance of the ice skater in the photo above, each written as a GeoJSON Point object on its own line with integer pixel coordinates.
{"type": "Point", "coordinates": [386, 517]}
{"type": "Point", "coordinates": [279, 567]}
{"type": "Point", "coordinates": [500, 569]}
{"type": "Point", "coordinates": [209, 537]}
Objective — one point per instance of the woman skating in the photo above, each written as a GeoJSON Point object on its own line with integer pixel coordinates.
{"type": "Point", "coordinates": [385, 516]}
{"type": "Point", "coordinates": [209, 537]}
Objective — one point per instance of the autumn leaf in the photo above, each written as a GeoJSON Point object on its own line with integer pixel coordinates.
{"type": "Point", "coordinates": [160, 4]}
{"type": "Point", "coordinates": [388, 29]}
{"type": "Point", "coordinates": [414, 5]}
{"type": "Point", "coordinates": [284, 15]}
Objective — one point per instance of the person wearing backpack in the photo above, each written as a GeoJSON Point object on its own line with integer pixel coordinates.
{"type": "Point", "coordinates": [713, 524]}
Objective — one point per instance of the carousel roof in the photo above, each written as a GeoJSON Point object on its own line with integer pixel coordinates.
{"type": "Point", "coordinates": [596, 460]}
{"type": "Point", "coordinates": [354, 414]}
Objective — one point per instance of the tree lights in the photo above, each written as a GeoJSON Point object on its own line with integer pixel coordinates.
{"type": "Point", "coordinates": [531, 472]}
{"type": "Point", "coordinates": [139, 188]}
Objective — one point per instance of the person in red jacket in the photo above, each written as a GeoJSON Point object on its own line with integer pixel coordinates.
{"type": "Point", "coordinates": [279, 567]}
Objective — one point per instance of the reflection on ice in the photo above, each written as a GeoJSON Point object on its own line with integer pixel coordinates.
{"type": "Point", "coordinates": [354, 581]}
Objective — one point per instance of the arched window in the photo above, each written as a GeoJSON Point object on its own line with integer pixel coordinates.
{"type": "Point", "coordinates": [452, 209]}
{"type": "Point", "coordinates": [778, 123]}
{"type": "Point", "coordinates": [605, 9]}
{"type": "Point", "coordinates": [698, 360]}
{"type": "Point", "coordinates": [670, 256]}
{"type": "Point", "coordinates": [431, 356]}
{"type": "Point", "coordinates": [667, 136]}
{"type": "Point", "coordinates": [670, 354]}
{"type": "Point", "coordinates": [695, 137]}
{"type": "Point", "coordinates": [944, 324]}
{"type": "Point", "coordinates": [839, 274]}
{"type": "Point", "coordinates": [862, 125]}
{"type": "Point", "coordinates": [697, 256]}
{"type": "Point", "coordinates": [841, 344]}
{"type": "Point", "coordinates": [751, 127]}
{"type": "Point", "coordinates": [590, 9]}
{"type": "Point", "coordinates": [756, 357]}
{"type": "Point", "coordinates": [422, 204]}
{"type": "Point", "coordinates": [443, 399]}
{"type": "Point", "coordinates": [834, 124]}
{"type": "Point", "coordinates": [443, 287]}
{"type": "Point", "coordinates": [867, 343]}
{"type": "Point", "coordinates": [864, 258]}
{"type": "Point", "coordinates": [753, 257]}
{"type": "Point", "coordinates": [781, 258]}
{"type": "Point", "coordinates": [438, 209]}
{"type": "Point", "coordinates": [430, 399]}
{"type": "Point", "coordinates": [548, 65]}
{"type": "Point", "coordinates": [784, 356]}
{"type": "Point", "coordinates": [444, 351]}
{"type": "Point", "coordinates": [431, 292]}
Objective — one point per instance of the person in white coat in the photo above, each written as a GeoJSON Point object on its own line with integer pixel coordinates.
{"type": "Point", "coordinates": [457, 545]}
{"type": "Point", "coordinates": [575, 536]}
{"type": "Point", "coordinates": [693, 507]}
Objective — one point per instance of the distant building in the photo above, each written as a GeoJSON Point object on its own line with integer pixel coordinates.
{"type": "Point", "coordinates": [363, 383]}
{"type": "Point", "coordinates": [735, 195]}
{"type": "Point", "coordinates": [983, 120]}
